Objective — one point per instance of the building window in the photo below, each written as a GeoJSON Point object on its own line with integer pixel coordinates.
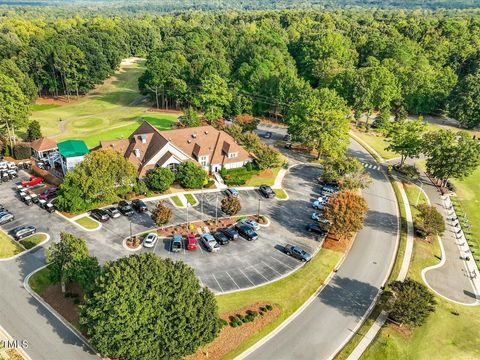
{"type": "Point", "coordinates": [204, 160]}
{"type": "Point", "coordinates": [232, 155]}
{"type": "Point", "coordinates": [172, 166]}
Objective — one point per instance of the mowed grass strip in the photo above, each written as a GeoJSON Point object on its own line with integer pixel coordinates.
{"type": "Point", "coordinates": [40, 280]}
{"type": "Point", "coordinates": [289, 293]}
{"type": "Point", "coordinates": [8, 246]}
{"type": "Point", "coordinates": [176, 200]}
{"type": "Point", "coordinates": [33, 240]}
{"type": "Point", "coordinates": [87, 223]}
{"type": "Point", "coordinates": [280, 194]}
{"type": "Point", "coordinates": [191, 199]}
{"type": "Point", "coordinates": [376, 142]}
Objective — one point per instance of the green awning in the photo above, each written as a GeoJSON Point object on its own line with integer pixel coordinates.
{"type": "Point", "coordinates": [72, 148]}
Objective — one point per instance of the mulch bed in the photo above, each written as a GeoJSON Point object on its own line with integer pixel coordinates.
{"type": "Point", "coordinates": [403, 330]}
{"type": "Point", "coordinates": [63, 305]}
{"type": "Point", "coordinates": [341, 245]}
{"type": "Point", "coordinates": [230, 338]}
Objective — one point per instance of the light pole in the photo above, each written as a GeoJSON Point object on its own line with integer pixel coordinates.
{"type": "Point", "coordinates": [258, 211]}
{"type": "Point", "coordinates": [216, 209]}
{"type": "Point", "coordinates": [419, 192]}
{"type": "Point", "coordinates": [130, 221]}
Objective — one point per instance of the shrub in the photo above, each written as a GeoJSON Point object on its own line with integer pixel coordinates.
{"type": "Point", "coordinates": [231, 205]}
{"type": "Point", "coordinates": [159, 179]}
{"type": "Point", "coordinates": [269, 307]}
{"type": "Point", "coordinates": [34, 131]}
{"type": "Point", "coordinates": [22, 151]}
{"type": "Point", "coordinates": [430, 220]}
{"type": "Point", "coordinates": [267, 157]}
{"type": "Point", "coordinates": [223, 322]}
{"type": "Point", "coordinates": [191, 175]}
{"type": "Point", "coordinates": [162, 214]}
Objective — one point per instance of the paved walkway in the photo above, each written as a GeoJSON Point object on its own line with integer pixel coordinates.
{"type": "Point", "coordinates": [452, 277]}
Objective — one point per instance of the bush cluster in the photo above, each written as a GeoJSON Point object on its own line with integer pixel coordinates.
{"type": "Point", "coordinates": [239, 319]}
{"type": "Point", "coordinates": [239, 176]}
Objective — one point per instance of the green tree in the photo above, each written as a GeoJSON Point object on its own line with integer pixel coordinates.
{"type": "Point", "coordinates": [464, 104]}
{"type": "Point", "coordinates": [101, 177]}
{"type": "Point", "coordinates": [267, 157]}
{"type": "Point", "coordinates": [346, 211]}
{"type": "Point", "coordinates": [319, 121]}
{"type": "Point", "coordinates": [34, 131]}
{"type": "Point", "coordinates": [159, 179]}
{"type": "Point", "coordinates": [213, 97]}
{"type": "Point", "coordinates": [450, 154]}
{"type": "Point", "coordinates": [348, 171]}
{"type": "Point", "coordinates": [190, 117]}
{"type": "Point", "coordinates": [430, 220]}
{"type": "Point", "coordinates": [144, 307]}
{"type": "Point", "coordinates": [190, 175]}
{"type": "Point", "coordinates": [162, 214]}
{"type": "Point", "coordinates": [410, 302]}
{"type": "Point", "coordinates": [14, 107]}
{"type": "Point", "coordinates": [231, 205]}
{"type": "Point", "coordinates": [69, 260]}
{"type": "Point", "coordinates": [406, 138]}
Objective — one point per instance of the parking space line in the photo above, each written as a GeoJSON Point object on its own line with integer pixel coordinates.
{"type": "Point", "coordinates": [232, 279]}
{"type": "Point", "coordinates": [251, 282]}
{"type": "Point", "coordinates": [259, 273]}
{"type": "Point", "coordinates": [270, 267]}
{"type": "Point", "coordinates": [281, 262]}
{"type": "Point", "coordinates": [220, 286]}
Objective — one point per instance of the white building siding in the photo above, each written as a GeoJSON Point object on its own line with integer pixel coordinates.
{"type": "Point", "coordinates": [168, 147]}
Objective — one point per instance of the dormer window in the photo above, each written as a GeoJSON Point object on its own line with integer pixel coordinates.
{"type": "Point", "coordinates": [137, 153]}
{"type": "Point", "coordinates": [232, 155]}
{"type": "Point", "coordinates": [143, 138]}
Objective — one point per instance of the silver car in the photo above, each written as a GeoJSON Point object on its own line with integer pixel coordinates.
{"type": "Point", "coordinates": [6, 217]}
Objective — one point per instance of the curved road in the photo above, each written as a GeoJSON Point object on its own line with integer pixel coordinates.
{"type": "Point", "coordinates": [325, 325]}
{"type": "Point", "coordinates": [319, 330]}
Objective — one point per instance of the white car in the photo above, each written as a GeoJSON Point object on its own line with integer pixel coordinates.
{"type": "Point", "coordinates": [210, 242]}
{"type": "Point", "coordinates": [316, 216]}
{"type": "Point", "coordinates": [150, 240]}
{"type": "Point", "coordinates": [252, 223]}
{"type": "Point", "coordinates": [318, 205]}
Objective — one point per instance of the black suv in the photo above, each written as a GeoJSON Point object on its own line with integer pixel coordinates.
{"type": "Point", "coordinates": [317, 229]}
{"type": "Point", "coordinates": [230, 232]}
{"type": "Point", "coordinates": [125, 208]}
{"type": "Point", "coordinates": [139, 206]}
{"type": "Point", "coordinates": [221, 238]}
{"type": "Point", "coordinates": [23, 231]}
{"type": "Point", "coordinates": [99, 214]}
{"type": "Point", "coordinates": [266, 191]}
{"type": "Point", "coordinates": [246, 232]}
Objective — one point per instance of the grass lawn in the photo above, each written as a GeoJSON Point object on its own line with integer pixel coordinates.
{"type": "Point", "coordinates": [111, 111]}
{"type": "Point", "coordinates": [445, 335]}
{"type": "Point", "coordinates": [377, 142]}
{"type": "Point", "coordinates": [176, 200]}
{"type": "Point", "coordinates": [87, 223]}
{"type": "Point", "coordinates": [33, 240]}
{"type": "Point", "coordinates": [40, 280]}
{"type": "Point", "coordinates": [280, 193]}
{"type": "Point", "coordinates": [264, 177]}
{"type": "Point", "coordinates": [289, 293]}
{"type": "Point", "coordinates": [191, 199]}
{"type": "Point", "coordinates": [8, 247]}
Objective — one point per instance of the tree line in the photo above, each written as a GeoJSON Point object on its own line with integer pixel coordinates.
{"type": "Point", "coordinates": [266, 63]}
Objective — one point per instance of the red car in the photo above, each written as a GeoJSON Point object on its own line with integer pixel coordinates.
{"type": "Point", "coordinates": [191, 242]}
{"type": "Point", "coordinates": [34, 180]}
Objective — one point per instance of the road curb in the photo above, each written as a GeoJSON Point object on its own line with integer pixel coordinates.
{"type": "Point", "coordinates": [26, 251]}
{"type": "Point", "coordinates": [53, 311]}
{"type": "Point", "coordinates": [73, 221]}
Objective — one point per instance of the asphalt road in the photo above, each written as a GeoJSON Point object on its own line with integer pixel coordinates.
{"type": "Point", "coordinates": [331, 319]}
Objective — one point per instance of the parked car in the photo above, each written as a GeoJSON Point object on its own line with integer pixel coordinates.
{"type": "Point", "coordinates": [125, 208]}
{"type": "Point", "coordinates": [319, 217]}
{"type": "Point", "coordinates": [329, 190]}
{"type": "Point", "coordinates": [420, 233]}
{"type": "Point", "coordinates": [150, 240]}
{"type": "Point", "coordinates": [221, 238]}
{"type": "Point", "coordinates": [318, 205]}
{"type": "Point", "coordinates": [6, 217]}
{"type": "Point", "coordinates": [317, 229]}
{"type": "Point", "coordinates": [210, 242]}
{"type": "Point", "coordinates": [266, 191]}
{"type": "Point", "coordinates": [21, 232]}
{"type": "Point", "coordinates": [99, 214]}
{"type": "Point", "coordinates": [231, 192]}
{"type": "Point", "coordinates": [112, 212]}
{"type": "Point", "coordinates": [191, 242]}
{"type": "Point", "coordinates": [252, 223]}
{"type": "Point", "coordinates": [49, 193]}
{"type": "Point", "coordinates": [297, 252]}
{"type": "Point", "coordinates": [49, 207]}
{"type": "Point", "coordinates": [246, 232]}
{"type": "Point", "coordinates": [230, 232]}
{"type": "Point", "coordinates": [34, 180]}
{"type": "Point", "coordinates": [267, 135]}
{"type": "Point", "coordinates": [287, 137]}
{"type": "Point", "coordinates": [139, 205]}
{"type": "Point", "coordinates": [177, 243]}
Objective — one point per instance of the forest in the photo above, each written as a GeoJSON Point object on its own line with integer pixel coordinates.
{"type": "Point", "coordinates": [261, 62]}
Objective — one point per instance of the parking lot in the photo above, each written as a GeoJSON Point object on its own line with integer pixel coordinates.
{"type": "Point", "coordinates": [238, 265]}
